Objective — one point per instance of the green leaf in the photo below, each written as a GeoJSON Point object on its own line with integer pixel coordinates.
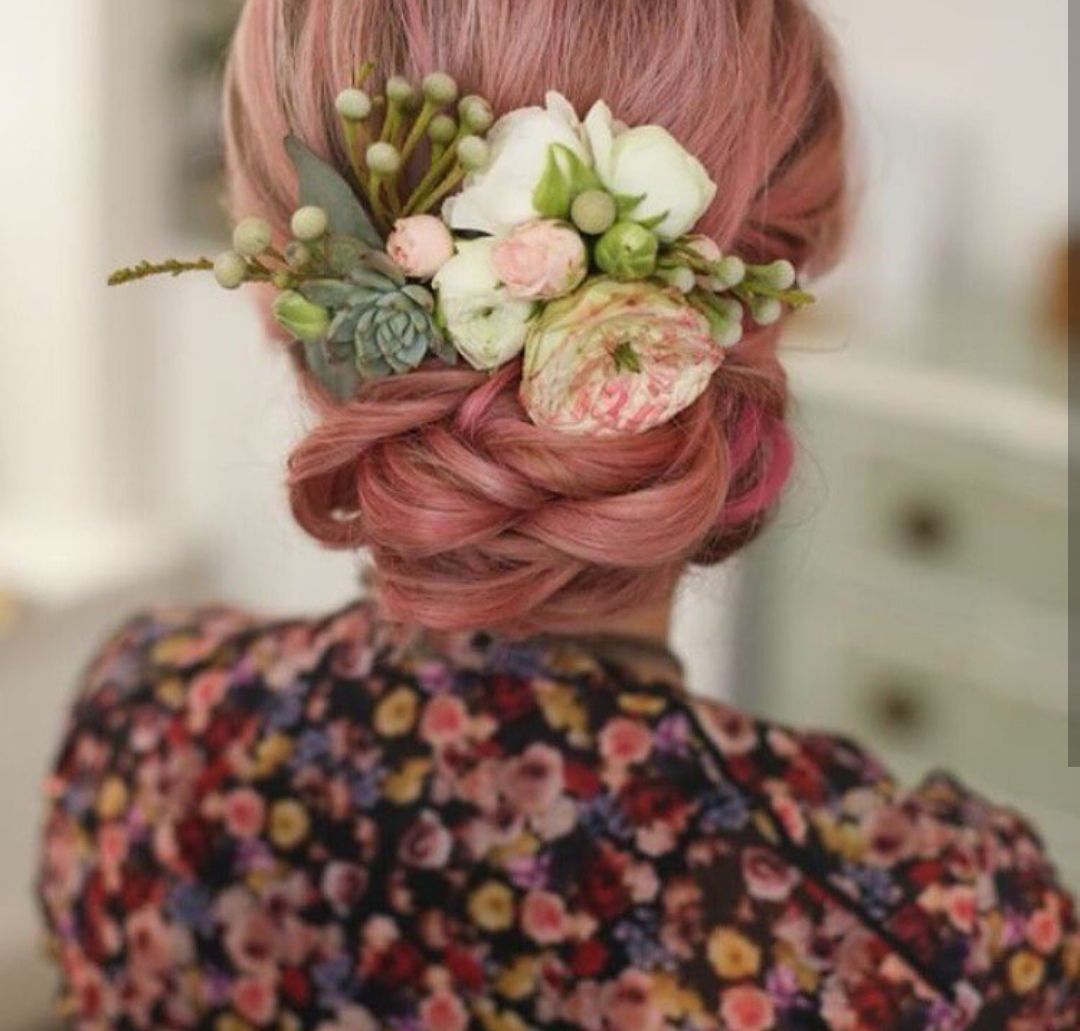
{"type": "Point", "coordinates": [338, 379]}
{"type": "Point", "coordinates": [323, 186]}
{"type": "Point", "coordinates": [565, 176]}
{"type": "Point", "coordinates": [552, 198]}
{"type": "Point", "coordinates": [627, 205]}
{"type": "Point", "coordinates": [652, 223]}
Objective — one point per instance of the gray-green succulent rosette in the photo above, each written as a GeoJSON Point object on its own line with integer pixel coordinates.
{"type": "Point", "coordinates": [566, 243]}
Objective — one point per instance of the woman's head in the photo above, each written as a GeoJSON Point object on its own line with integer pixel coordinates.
{"type": "Point", "coordinates": [475, 516]}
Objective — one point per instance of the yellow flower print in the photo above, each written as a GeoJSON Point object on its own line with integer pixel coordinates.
{"type": "Point", "coordinates": [405, 785]}
{"type": "Point", "coordinates": [1026, 972]}
{"type": "Point", "coordinates": [171, 693]}
{"type": "Point", "coordinates": [518, 981]}
{"type": "Point", "coordinates": [112, 798]}
{"type": "Point", "coordinates": [492, 1019]}
{"type": "Point", "coordinates": [289, 823]}
{"type": "Point", "coordinates": [395, 715]}
{"type": "Point", "coordinates": [732, 954]}
{"type": "Point", "coordinates": [641, 704]}
{"type": "Point", "coordinates": [271, 753]}
{"type": "Point", "coordinates": [523, 845]}
{"type": "Point", "coordinates": [491, 906]}
{"type": "Point", "coordinates": [562, 709]}
{"type": "Point", "coordinates": [231, 1022]}
{"type": "Point", "coordinates": [847, 840]}
{"type": "Point", "coordinates": [675, 1001]}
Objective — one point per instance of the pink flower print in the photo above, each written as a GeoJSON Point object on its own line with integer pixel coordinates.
{"type": "Point", "coordinates": [148, 942]}
{"type": "Point", "coordinates": [889, 835]}
{"type": "Point", "coordinates": [747, 1008]}
{"type": "Point", "coordinates": [961, 908]}
{"type": "Point", "coordinates": [443, 1011]}
{"type": "Point", "coordinates": [625, 741]}
{"type": "Point", "coordinates": [791, 818]}
{"type": "Point", "coordinates": [113, 842]}
{"type": "Point", "coordinates": [735, 732]}
{"type": "Point", "coordinates": [244, 812]}
{"type": "Point", "coordinates": [534, 779]}
{"type": "Point", "coordinates": [445, 720]}
{"type": "Point", "coordinates": [543, 917]}
{"type": "Point", "coordinates": [1044, 930]}
{"type": "Point", "coordinates": [251, 941]}
{"type": "Point", "coordinates": [204, 695]}
{"type": "Point", "coordinates": [627, 1003]}
{"type": "Point", "coordinates": [343, 886]}
{"type": "Point", "coordinates": [767, 876]}
{"type": "Point", "coordinates": [426, 843]}
{"type": "Point", "coordinates": [254, 1000]}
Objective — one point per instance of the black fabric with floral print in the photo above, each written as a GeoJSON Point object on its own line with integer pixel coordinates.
{"type": "Point", "coordinates": [345, 825]}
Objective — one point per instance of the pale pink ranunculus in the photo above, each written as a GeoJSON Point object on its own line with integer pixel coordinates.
{"type": "Point", "coordinates": [420, 245]}
{"type": "Point", "coordinates": [244, 812]}
{"type": "Point", "coordinates": [541, 260]}
{"type": "Point", "coordinates": [443, 1010]}
{"type": "Point", "coordinates": [625, 741]}
{"type": "Point", "coordinates": [543, 917]}
{"type": "Point", "coordinates": [615, 359]}
{"type": "Point", "coordinates": [747, 1008]}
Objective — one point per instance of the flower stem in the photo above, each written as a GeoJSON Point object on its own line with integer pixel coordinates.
{"type": "Point", "coordinates": [439, 168]}
{"type": "Point", "coordinates": [146, 269]}
{"type": "Point", "coordinates": [423, 120]}
{"type": "Point", "coordinates": [448, 184]}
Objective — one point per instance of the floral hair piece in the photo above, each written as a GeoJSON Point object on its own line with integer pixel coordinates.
{"type": "Point", "coordinates": [568, 242]}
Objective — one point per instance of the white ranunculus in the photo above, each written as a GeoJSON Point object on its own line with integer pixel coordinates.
{"type": "Point", "coordinates": [500, 197]}
{"type": "Point", "coordinates": [648, 161]}
{"type": "Point", "coordinates": [487, 326]}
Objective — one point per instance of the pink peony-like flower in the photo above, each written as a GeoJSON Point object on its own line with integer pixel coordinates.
{"type": "Point", "coordinates": [444, 721]}
{"type": "Point", "coordinates": [616, 358]}
{"type": "Point", "coordinates": [420, 245]}
{"type": "Point", "coordinates": [541, 260]}
{"type": "Point", "coordinates": [747, 1008]}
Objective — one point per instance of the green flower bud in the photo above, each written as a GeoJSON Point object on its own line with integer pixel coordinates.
{"type": "Point", "coordinates": [252, 237]}
{"type": "Point", "coordinates": [731, 272]}
{"type": "Point", "coordinates": [628, 251]}
{"type": "Point", "coordinates": [780, 275]}
{"type": "Point", "coordinates": [766, 310]}
{"type": "Point", "coordinates": [298, 256]}
{"type": "Point", "coordinates": [594, 212]}
{"type": "Point", "coordinates": [299, 316]}
{"type": "Point", "coordinates": [401, 92]}
{"type": "Point", "coordinates": [384, 159]}
{"type": "Point", "coordinates": [442, 129]}
{"type": "Point", "coordinates": [476, 113]}
{"type": "Point", "coordinates": [473, 153]}
{"type": "Point", "coordinates": [682, 279]}
{"type": "Point", "coordinates": [730, 309]}
{"type": "Point", "coordinates": [440, 88]}
{"type": "Point", "coordinates": [310, 224]}
{"type": "Point", "coordinates": [729, 334]}
{"type": "Point", "coordinates": [231, 270]}
{"type": "Point", "coordinates": [354, 105]}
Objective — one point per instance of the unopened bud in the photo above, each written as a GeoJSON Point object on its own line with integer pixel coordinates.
{"type": "Point", "coordinates": [594, 212]}
{"type": "Point", "coordinates": [310, 224]}
{"type": "Point", "coordinates": [384, 159]}
{"type": "Point", "coordinates": [231, 270]}
{"type": "Point", "coordinates": [252, 237]}
{"type": "Point", "coordinates": [476, 113]}
{"type": "Point", "coordinates": [442, 129]}
{"type": "Point", "coordinates": [473, 153]}
{"type": "Point", "coordinates": [440, 88]}
{"type": "Point", "coordinates": [628, 251]}
{"type": "Point", "coordinates": [354, 105]}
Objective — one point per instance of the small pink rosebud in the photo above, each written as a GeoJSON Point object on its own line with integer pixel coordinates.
{"type": "Point", "coordinates": [541, 260]}
{"type": "Point", "coordinates": [420, 245]}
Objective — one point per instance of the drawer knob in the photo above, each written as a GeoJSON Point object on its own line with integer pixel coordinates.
{"type": "Point", "coordinates": [898, 708]}
{"type": "Point", "coordinates": [926, 527]}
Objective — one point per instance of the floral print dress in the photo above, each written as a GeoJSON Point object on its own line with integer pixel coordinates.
{"type": "Point", "coordinates": [344, 825]}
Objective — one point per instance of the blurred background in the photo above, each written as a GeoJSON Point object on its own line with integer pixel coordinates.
{"type": "Point", "coordinates": [914, 591]}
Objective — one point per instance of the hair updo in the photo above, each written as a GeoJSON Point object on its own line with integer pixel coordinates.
{"type": "Point", "coordinates": [474, 516]}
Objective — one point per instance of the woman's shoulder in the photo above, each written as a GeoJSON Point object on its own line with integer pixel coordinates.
{"type": "Point", "coordinates": [960, 885]}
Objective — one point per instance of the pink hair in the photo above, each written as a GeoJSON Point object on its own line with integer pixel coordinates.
{"type": "Point", "coordinates": [474, 516]}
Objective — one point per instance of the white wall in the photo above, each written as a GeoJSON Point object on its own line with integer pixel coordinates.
{"type": "Point", "coordinates": [993, 75]}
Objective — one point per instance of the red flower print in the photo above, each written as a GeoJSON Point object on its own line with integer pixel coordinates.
{"type": "Point", "coordinates": [603, 891]}
{"type": "Point", "coordinates": [399, 965]}
{"type": "Point", "coordinates": [511, 697]}
{"type": "Point", "coordinates": [296, 986]}
{"type": "Point", "coordinates": [588, 958]}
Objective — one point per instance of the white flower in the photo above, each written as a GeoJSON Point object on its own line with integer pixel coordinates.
{"type": "Point", "coordinates": [648, 162]}
{"type": "Point", "coordinates": [500, 197]}
{"type": "Point", "coordinates": [484, 322]}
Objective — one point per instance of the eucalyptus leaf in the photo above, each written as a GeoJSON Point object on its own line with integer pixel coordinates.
{"type": "Point", "coordinates": [321, 185]}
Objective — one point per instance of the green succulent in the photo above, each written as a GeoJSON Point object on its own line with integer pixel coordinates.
{"type": "Point", "coordinates": [380, 323]}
